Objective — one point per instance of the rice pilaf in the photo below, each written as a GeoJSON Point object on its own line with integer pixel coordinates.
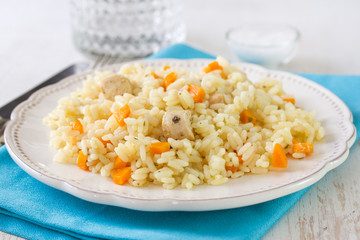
{"type": "Point", "coordinates": [172, 127]}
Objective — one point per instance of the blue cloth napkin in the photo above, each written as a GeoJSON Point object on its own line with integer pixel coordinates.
{"type": "Point", "coordinates": [31, 209]}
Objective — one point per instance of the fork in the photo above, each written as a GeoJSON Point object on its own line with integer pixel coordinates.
{"type": "Point", "coordinates": [104, 60]}
{"type": "Point", "coordinates": [100, 61]}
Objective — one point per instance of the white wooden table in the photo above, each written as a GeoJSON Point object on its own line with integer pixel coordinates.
{"type": "Point", "coordinates": [35, 42]}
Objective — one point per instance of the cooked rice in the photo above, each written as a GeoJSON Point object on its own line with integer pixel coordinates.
{"type": "Point", "coordinates": [220, 135]}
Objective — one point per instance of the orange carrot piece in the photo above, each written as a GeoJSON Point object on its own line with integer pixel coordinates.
{"type": "Point", "coordinates": [248, 116]}
{"type": "Point", "coordinates": [121, 175]}
{"type": "Point", "coordinates": [196, 92]}
{"type": "Point", "coordinates": [240, 159]}
{"type": "Point", "coordinates": [232, 168]}
{"type": "Point", "coordinates": [294, 141]}
{"type": "Point", "coordinates": [77, 126]}
{"type": "Point", "coordinates": [119, 163]}
{"type": "Point", "coordinates": [104, 142]}
{"type": "Point", "coordinates": [212, 67]}
{"type": "Point", "coordinates": [166, 67]}
{"type": "Point", "coordinates": [81, 161]}
{"type": "Point", "coordinates": [305, 147]}
{"type": "Point", "coordinates": [154, 75]}
{"type": "Point", "coordinates": [222, 74]}
{"type": "Point", "coordinates": [279, 157]}
{"type": "Point", "coordinates": [159, 147]}
{"type": "Point", "coordinates": [123, 113]}
{"type": "Point", "coordinates": [289, 99]}
{"type": "Point", "coordinates": [169, 79]}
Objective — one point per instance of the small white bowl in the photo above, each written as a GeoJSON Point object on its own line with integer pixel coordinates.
{"type": "Point", "coordinates": [270, 45]}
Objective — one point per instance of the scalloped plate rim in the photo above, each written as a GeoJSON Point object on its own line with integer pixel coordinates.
{"type": "Point", "coordinates": [264, 195]}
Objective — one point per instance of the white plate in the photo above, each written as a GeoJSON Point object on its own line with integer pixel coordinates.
{"type": "Point", "coordinates": [27, 140]}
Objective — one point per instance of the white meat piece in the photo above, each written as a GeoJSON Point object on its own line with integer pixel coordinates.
{"type": "Point", "coordinates": [177, 125]}
{"type": "Point", "coordinates": [216, 98]}
{"type": "Point", "coordinates": [116, 85]}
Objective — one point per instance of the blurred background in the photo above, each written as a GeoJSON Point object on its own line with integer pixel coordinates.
{"type": "Point", "coordinates": [36, 41]}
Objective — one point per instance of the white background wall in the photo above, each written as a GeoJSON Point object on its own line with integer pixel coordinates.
{"type": "Point", "coordinates": [35, 38]}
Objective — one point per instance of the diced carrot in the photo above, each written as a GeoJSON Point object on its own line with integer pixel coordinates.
{"type": "Point", "coordinates": [159, 147]}
{"type": "Point", "coordinates": [169, 79]}
{"type": "Point", "coordinates": [104, 142]}
{"type": "Point", "coordinates": [240, 159]}
{"type": "Point", "coordinates": [77, 126]}
{"type": "Point", "coordinates": [123, 113]}
{"type": "Point", "coordinates": [119, 163]}
{"type": "Point", "coordinates": [212, 67]}
{"type": "Point", "coordinates": [154, 75]}
{"type": "Point", "coordinates": [294, 141]}
{"type": "Point", "coordinates": [196, 92]}
{"type": "Point", "coordinates": [222, 74]}
{"type": "Point", "coordinates": [81, 161]}
{"type": "Point", "coordinates": [166, 67]}
{"type": "Point", "coordinates": [279, 157]}
{"type": "Point", "coordinates": [232, 168]}
{"type": "Point", "coordinates": [288, 98]}
{"type": "Point", "coordinates": [248, 116]}
{"type": "Point", "coordinates": [121, 175]}
{"type": "Point", "coordinates": [305, 147]}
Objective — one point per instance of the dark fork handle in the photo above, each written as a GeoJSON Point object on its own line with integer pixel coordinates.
{"type": "Point", "coordinates": [5, 111]}
{"type": "Point", "coordinates": [2, 130]}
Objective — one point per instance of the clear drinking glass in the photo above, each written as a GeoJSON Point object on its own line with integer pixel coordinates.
{"type": "Point", "coordinates": [126, 28]}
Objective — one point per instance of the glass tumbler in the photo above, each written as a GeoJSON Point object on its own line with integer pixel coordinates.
{"type": "Point", "coordinates": [127, 29]}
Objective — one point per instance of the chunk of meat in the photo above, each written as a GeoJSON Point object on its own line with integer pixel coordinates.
{"type": "Point", "coordinates": [216, 98]}
{"type": "Point", "coordinates": [116, 85]}
{"type": "Point", "coordinates": [177, 125]}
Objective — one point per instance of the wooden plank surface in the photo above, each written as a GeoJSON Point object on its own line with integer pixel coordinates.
{"type": "Point", "coordinates": [329, 210]}
{"type": "Point", "coordinates": [6, 236]}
